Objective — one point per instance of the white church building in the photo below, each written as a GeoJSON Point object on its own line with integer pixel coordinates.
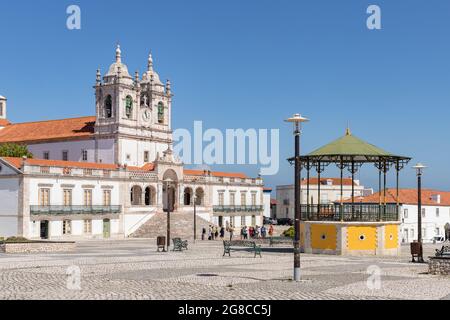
{"type": "Point", "coordinates": [110, 175]}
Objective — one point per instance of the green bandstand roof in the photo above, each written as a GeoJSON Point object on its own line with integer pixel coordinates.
{"type": "Point", "coordinates": [350, 148]}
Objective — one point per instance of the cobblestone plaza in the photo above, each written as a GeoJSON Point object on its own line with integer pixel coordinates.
{"type": "Point", "coordinates": [133, 269]}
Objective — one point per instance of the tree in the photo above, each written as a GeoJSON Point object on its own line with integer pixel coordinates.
{"type": "Point", "coordinates": [14, 150]}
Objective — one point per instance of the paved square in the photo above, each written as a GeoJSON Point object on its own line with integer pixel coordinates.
{"type": "Point", "coordinates": [132, 269]}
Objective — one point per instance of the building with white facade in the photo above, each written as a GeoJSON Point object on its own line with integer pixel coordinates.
{"type": "Point", "coordinates": [435, 212]}
{"type": "Point", "coordinates": [330, 192]}
{"type": "Point", "coordinates": [111, 175]}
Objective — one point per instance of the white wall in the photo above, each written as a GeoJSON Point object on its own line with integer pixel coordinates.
{"type": "Point", "coordinates": [430, 223]}
{"type": "Point", "coordinates": [267, 204]}
{"type": "Point", "coordinates": [9, 199]}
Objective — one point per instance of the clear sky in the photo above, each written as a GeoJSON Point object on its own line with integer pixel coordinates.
{"type": "Point", "coordinates": [250, 64]}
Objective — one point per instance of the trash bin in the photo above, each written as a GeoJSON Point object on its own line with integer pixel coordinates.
{"type": "Point", "coordinates": [161, 243]}
{"type": "Point", "coordinates": [416, 250]}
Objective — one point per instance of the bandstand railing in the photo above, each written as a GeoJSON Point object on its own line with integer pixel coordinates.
{"type": "Point", "coordinates": [350, 212]}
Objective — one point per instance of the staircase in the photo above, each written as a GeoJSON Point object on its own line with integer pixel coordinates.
{"type": "Point", "coordinates": [181, 225]}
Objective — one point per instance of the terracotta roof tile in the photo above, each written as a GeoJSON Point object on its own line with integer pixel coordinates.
{"type": "Point", "coordinates": [18, 163]}
{"type": "Point", "coordinates": [408, 196]}
{"type": "Point", "coordinates": [4, 122]}
{"type": "Point", "coordinates": [216, 173]}
{"type": "Point", "coordinates": [73, 128]}
{"type": "Point", "coordinates": [335, 181]}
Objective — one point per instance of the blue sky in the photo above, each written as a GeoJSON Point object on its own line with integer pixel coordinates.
{"type": "Point", "coordinates": [250, 64]}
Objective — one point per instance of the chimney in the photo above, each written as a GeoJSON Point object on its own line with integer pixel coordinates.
{"type": "Point", "coordinates": [436, 198]}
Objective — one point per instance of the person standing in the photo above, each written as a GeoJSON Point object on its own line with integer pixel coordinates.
{"type": "Point", "coordinates": [216, 232]}
{"type": "Point", "coordinates": [222, 232]}
{"type": "Point", "coordinates": [263, 232]}
{"type": "Point", "coordinates": [245, 232]}
{"type": "Point", "coordinates": [271, 231]}
{"type": "Point", "coordinates": [203, 233]}
{"type": "Point", "coordinates": [231, 233]}
{"type": "Point", "coordinates": [209, 233]}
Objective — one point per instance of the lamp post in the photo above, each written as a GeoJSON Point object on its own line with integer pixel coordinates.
{"type": "Point", "coordinates": [168, 207]}
{"type": "Point", "coordinates": [195, 217]}
{"type": "Point", "coordinates": [297, 120]}
{"type": "Point", "coordinates": [419, 170]}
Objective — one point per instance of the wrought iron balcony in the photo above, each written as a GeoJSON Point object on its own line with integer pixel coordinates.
{"type": "Point", "coordinates": [228, 209]}
{"type": "Point", "coordinates": [68, 210]}
{"type": "Point", "coordinates": [350, 212]}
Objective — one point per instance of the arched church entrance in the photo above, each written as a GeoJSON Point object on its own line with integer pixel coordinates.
{"type": "Point", "coordinates": [170, 187]}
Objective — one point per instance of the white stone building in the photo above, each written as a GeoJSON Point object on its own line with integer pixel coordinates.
{"type": "Point", "coordinates": [435, 212]}
{"type": "Point", "coordinates": [111, 175]}
{"type": "Point", "coordinates": [330, 191]}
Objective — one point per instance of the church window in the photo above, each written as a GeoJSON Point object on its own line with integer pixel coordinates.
{"type": "Point", "coordinates": [160, 112]}
{"type": "Point", "coordinates": [108, 107]}
{"type": "Point", "coordinates": [128, 106]}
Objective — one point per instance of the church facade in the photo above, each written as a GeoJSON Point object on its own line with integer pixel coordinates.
{"type": "Point", "coordinates": [113, 174]}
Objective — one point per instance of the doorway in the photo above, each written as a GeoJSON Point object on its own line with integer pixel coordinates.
{"type": "Point", "coordinates": [106, 228]}
{"type": "Point", "coordinates": [220, 221]}
{"type": "Point", "coordinates": [44, 229]}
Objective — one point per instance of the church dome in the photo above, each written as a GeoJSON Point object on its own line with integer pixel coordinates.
{"type": "Point", "coordinates": [151, 74]}
{"type": "Point", "coordinates": [114, 68]}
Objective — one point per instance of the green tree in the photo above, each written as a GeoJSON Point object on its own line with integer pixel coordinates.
{"type": "Point", "coordinates": [14, 150]}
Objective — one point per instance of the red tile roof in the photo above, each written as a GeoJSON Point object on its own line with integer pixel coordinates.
{"type": "Point", "coordinates": [18, 163]}
{"type": "Point", "coordinates": [323, 181]}
{"type": "Point", "coordinates": [73, 128]}
{"type": "Point", "coordinates": [408, 196]}
{"type": "Point", "coordinates": [215, 173]}
{"type": "Point", "coordinates": [4, 122]}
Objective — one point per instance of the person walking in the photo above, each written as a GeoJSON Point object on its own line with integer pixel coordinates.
{"type": "Point", "coordinates": [216, 232]}
{"type": "Point", "coordinates": [209, 233]}
{"type": "Point", "coordinates": [222, 233]}
{"type": "Point", "coordinates": [257, 232]}
{"type": "Point", "coordinates": [242, 233]}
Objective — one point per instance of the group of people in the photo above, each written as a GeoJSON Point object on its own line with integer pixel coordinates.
{"type": "Point", "coordinates": [256, 232]}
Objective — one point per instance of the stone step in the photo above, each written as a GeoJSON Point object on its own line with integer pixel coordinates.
{"type": "Point", "coordinates": [181, 225]}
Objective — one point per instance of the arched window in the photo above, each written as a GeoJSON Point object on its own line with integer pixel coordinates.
{"type": "Point", "coordinates": [199, 195]}
{"type": "Point", "coordinates": [187, 196]}
{"type": "Point", "coordinates": [160, 112]}
{"type": "Point", "coordinates": [136, 196]}
{"type": "Point", "coordinates": [108, 107]}
{"type": "Point", "coordinates": [150, 194]}
{"type": "Point", "coordinates": [128, 106]}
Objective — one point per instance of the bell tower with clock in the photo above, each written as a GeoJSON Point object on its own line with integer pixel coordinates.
{"type": "Point", "coordinates": [132, 114]}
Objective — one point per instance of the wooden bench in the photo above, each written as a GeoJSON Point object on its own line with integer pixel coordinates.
{"type": "Point", "coordinates": [277, 240]}
{"type": "Point", "coordinates": [444, 252]}
{"type": "Point", "coordinates": [179, 245]}
{"type": "Point", "coordinates": [227, 246]}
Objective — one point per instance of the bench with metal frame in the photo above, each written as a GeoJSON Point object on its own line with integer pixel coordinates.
{"type": "Point", "coordinates": [179, 245]}
{"type": "Point", "coordinates": [228, 244]}
{"type": "Point", "coordinates": [280, 240]}
{"type": "Point", "coordinates": [443, 252]}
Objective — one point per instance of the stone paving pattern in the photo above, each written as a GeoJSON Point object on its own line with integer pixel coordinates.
{"type": "Point", "coordinates": [132, 269]}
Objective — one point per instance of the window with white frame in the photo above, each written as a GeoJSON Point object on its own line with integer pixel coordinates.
{"type": "Point", "coordinates": [106, 197]}
{"type": "Point", "coordinates": [44, 196]}
{"type": "Point", "coordinates": [423, 212]}
{"type": "Point", "coordinates": [232, 198]}
{"type": "Point", "coordinates": [87, 197]}
{"type": "Point", "coordinates": [405, 213]}
{"type": "Point", "coordinates": [67, 197]}
{"type": "Point", "coordinates": [254, 199]}
{"type": "Point", "coordinates": [437, 212]}
{"type": "Point", "coordinates": [87, 226]}
{"type": "Point", "coordinates": [221, 198]}
{"type": "Point", "coordinates": [243, 198]}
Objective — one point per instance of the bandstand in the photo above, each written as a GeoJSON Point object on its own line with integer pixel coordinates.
{"type": "Point", "coordinates": [345, 226]}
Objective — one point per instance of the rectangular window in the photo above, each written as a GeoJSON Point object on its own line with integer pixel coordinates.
{"type": "Point", "coordinates": [412, 233]}
{"type": "Point", "coordinates": [146, 157]}
{"type": "Point", "coordinates": [437, 212]}
{"type": "Point", "coordinates": [253, 220]}
{"type": "Point", "coordinates": [87, 172]}
{"type": "Point", "coordinates": [44, 197]}
{"type": "Point", "coordinates": [46, 155]}
{"type": "Point", "coordinates": [243, 221]}
{"type": "Point", "coordinates": [84, 155]}
{"type": "Point", "coordinates": [221, 196]}
{"type": "Point", "coordinates": [67, 227]}
{"type": "Point", "coordinates": [87, 226]}
{"type": "Point", "coordinates": [87, 197]}
{"type": "Point", "coordinates": [106, 197]}
{"type": "Point", "coordinates": [243, 199]}
{"type": "Point", "coordinates": [232, 199]}
{"type": "Point", "coordinates": [423, 212]}
{"type": "Point", "coordinates": [405, 213]}
{"type": "Point", "coordinates": [65, 155]}
{"type": "Point", "coordinates": [253, 199]}
{"type": "Point", "coordinates": [67, 197]}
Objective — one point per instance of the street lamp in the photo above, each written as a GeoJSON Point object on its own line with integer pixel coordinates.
{"type": "Point", "coordinates": [195, 217]}
{"type": "Point", "coordinates": [419, 170]}
{"type": "Point", "coordinates": [168, 206]}
{"type": "Point", "coordinates": [297, 120]}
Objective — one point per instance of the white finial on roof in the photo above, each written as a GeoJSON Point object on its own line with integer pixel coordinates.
{"type": "Point", "coordinates": [150, 62]}
{"type": "Point", "coordinates": [118, 54]}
